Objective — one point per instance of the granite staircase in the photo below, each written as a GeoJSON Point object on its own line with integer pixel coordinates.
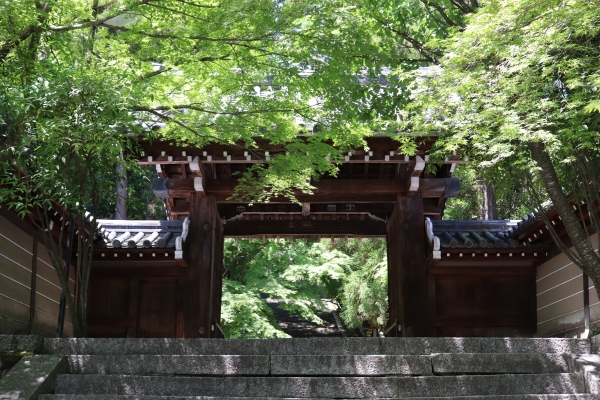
{"type": "Point", "coordinates": [324, 368]}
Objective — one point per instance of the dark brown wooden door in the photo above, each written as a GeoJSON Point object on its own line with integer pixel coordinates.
{"type": "Point", "coordinates": [137, 302]}
{"type": "Point", "coordinates": [157, 315]}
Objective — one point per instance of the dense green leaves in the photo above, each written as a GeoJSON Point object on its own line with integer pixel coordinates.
{"type": "Point", "coordinates": [511, 199]}
{"type": "Point", "coordinates": [364, 293]}
{"type": "Point", "coordinates": [228, 71]}
{"type": "Point", "coordinates": [516, 91]}
{"type": "Point", "coordinates": [245, 314]}
{"type": "Point", "coordinates": [296, 274]}
{"type": "Point", "coordinates": [519, 72]}
{"type": "Point", "coordinates": [299, 276]}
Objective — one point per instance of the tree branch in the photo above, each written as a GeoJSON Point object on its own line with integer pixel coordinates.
{"type": "Point", "coordinates": [26, 32]}
{"type": "Point", "coordinates": [589, 260]}
{"type": "Point", "coordinates": [195, 132]}
{"type": "Point", "coordinates": [440, 9]}
{"type": "Point", "coordinates": [462, 7]}
{"type": "Point", "coordinates": [559, 243]}
{"type": "Point", "coordinates": [151, 4]}
{"type": "Point", "coordinates": [153, 74]}
{"type": "Point", "coordinates": [105, 5]}
{"type": "Point", "coordinates": [194, 4]}
{"type": "Point", "coordinates": [86, 24]}
{"type": "Point", "coordinates": [231, 41]}
{"type": "Point", "coordinates": [417, 46]}
{"type": "Point", "coordinates": [204, 110]}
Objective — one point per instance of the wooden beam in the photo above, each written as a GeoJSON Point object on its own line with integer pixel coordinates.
{"type": "Point", "coordinates": [354, 198]}
{"type": "Point", "coordinates": [407, 271]}
{"type": "Point", "coordinates": [244, 160]}
{"type": "Point", "coordinates": [293, 211]}
{"type": "Point", "coordinates": [342, 188]}
{"type": "Point", "coordinates": [429, 209]}
{"type": "Point", "coordinates": [379, 145]}
{"type": "Point", "coordinates": [204, 247]}
{"type": "Point", "coordinates": [497, 270]}
{"type": "Point", "coordinates": [327, 186]}
{"type": "Point", "coordinates": [245, 228]}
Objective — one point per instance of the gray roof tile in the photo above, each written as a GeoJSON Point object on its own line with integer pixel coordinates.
{"type": "Point", "coordinates": [137, 234]}
{"type": "Point", "coordinates": [480, 234]}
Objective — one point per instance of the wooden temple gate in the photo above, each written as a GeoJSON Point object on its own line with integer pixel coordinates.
{"type": "Point", "coordinates": [378, 193]}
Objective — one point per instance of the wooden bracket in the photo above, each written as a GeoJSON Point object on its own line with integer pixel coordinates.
{"type": "Point", "coordinates": [416, 173]}
{"type": "Point", "coordinates": [305, 209]}
{"type": "Point", "coordinates": [199, 178]}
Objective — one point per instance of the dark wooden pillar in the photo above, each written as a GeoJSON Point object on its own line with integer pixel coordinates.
{"type": "Point", "coordinates": [407, 273]}
{"type": "Point", "coordinates": [204, 247]}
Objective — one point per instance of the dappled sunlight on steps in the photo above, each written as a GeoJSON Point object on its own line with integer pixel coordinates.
{"type": "Point", "coordinates": [324, 368]}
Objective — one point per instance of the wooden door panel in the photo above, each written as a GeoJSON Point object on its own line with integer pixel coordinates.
{"type": "Point", "coordinates": [108, 297]}
{"type": "Point", "coordinates": [482, 296]}
{"type": "Point", "coordinates": [157, 302]}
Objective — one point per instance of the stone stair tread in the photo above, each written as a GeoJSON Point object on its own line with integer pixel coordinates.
{"type": "Point", "coordinates": [350, 365]}
{"type": "Point", "coordinates": [480, 385]}
{"type": "Point", "coordinates": [338, 387]}
{"type": "Point", "coordinates": [496, 363]}
{"type": "Point", "coordinates": [315, 346]}
{"type": "Point", "coordinates": [320, 387]}
{"type": "Point", "coordinates": [579, 396]}
{"type": "Point", "coordinates": [340, 365]}
{"type": "Point", "coordinates": [169, 364]}
{"type": "Point", "coordinates": [151, 397]}
{"type": "Point", "coordinates": [332, 365]}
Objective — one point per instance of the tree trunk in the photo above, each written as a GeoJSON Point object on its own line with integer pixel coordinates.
{"type": "Point", "coordinates": [488, 209]}
{"type": "Point", "coordinates": [121, 203]}
{"type": "Point", "coordinates": [588, 259]}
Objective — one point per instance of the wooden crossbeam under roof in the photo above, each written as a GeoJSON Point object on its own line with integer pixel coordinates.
{"type": "Point", "coordinates": [366, 179]}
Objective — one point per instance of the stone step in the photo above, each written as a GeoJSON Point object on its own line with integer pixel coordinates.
{"type": "Point", "coordinates": [150, 397]}
{"type": "Point", "coordinates": [366, 365]}
{"type": "Point", "coordinates": [323, 387]}
{"type": "Point", "coordinates": [315, 346]}
{"type": "Point", "coordinates": [326, 387]}
{"type": "Point", "coordinates": [491, 385]}
{"type": "Point", "coordinates": [494, 363]}
{"type": "Point", "coordinates": [169, 365]}
{"type": "Point", "coordinates": [358, 365]}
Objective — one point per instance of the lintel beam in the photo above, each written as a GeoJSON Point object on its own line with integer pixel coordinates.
{"type": "Point", "coordinates": [344, 190]}
{"type": "Point", "coordinates": [245, 228]}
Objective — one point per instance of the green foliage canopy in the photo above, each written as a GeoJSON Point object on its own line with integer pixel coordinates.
{"type": "Point", "coordinates": [511, 203]}
{"type": "Point", "coordinates": [299, 276]}
{"type": "Point", "coordinates": [221, 71]}
{"type": "Point", "coordinates": [517, 92]}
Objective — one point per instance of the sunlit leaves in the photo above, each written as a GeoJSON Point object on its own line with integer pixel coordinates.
{"type": "Point", "coordinates": [519, 72]}
{"type": "Point", "coordinates": [299, 275]}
